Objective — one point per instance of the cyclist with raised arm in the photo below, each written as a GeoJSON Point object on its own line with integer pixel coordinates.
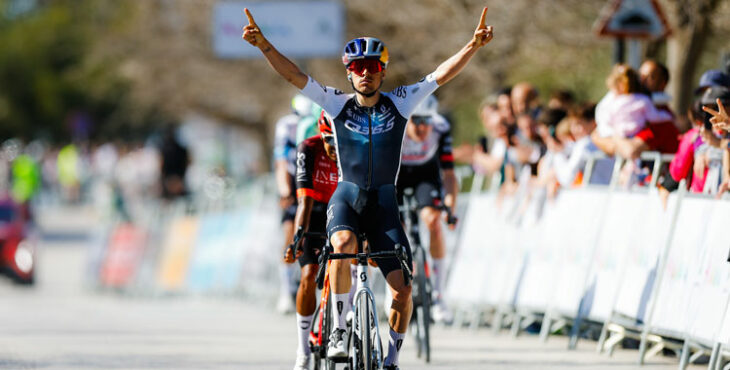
{"type": "Point", "coordinates": [425, 161]}
{"type": "Point", "coordinates": [316, 179]}
{"type": "Point", "coordinates": [369, 126]}
{"type": "Point", "coordinates": [285, 151]}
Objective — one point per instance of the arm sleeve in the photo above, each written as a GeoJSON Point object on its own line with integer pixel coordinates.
{"type": "Point", "coordinates": [406, 98]}
{"type": "Point", "coordinates": [329, 98]}
{"type": "Point", "coordinates": [305, 167]}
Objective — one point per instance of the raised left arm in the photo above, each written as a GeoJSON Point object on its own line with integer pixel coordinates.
{"type": "Point", "coordinates": [452, 66]}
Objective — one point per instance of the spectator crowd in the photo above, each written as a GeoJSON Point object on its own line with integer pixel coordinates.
{"type": "Point", "coordinates": [549, 145]}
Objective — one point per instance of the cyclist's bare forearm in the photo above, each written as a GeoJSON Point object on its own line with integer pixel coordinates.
{"type": "Point", "coordinates": [451, 185]}
{"type": "Point", "coordinates": [304, 213]}
{"type": "Point", "coordinates": [281, 64]}
{"type": "Point", "coordinates": [283, 185]}
{"type": "Point", "coordinates": [455, 64]}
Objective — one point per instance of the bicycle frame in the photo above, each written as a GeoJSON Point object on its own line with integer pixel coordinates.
{"type": "Point", "coordinates": [323, 303]}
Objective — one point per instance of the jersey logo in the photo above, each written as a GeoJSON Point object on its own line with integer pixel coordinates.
{"type": "Point", "coordinates": [325, 176]}
{"type": "Point", "coordinates": [301, 166]}
{"type": "Point", "coordinates": [338, 92]}
{"type": "Point", "coordinates": [363, 129]}
{"type": "Point", "coordinates": [400, 92]}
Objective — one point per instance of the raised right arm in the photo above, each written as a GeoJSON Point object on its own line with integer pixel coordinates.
{"type": "Point", "coordinates": [281, 64]}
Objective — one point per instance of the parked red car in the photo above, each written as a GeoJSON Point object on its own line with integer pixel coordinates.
{"type": "Point", "coordinates": [17, 247]}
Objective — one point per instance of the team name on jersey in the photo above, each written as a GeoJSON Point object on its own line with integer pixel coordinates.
{"type": "Point", "coordinates": [363, 129]}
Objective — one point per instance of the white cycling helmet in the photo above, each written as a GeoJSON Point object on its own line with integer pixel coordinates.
{"type": "Point", "coordinates": [302, 105]}
{"type": "Point", "coordinates": [428, 107]}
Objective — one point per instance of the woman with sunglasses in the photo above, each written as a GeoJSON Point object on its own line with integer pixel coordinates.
{"type": "Point", "coordinates": [368, 126]}
{"type": "Point", "coordinates": [316, 179]}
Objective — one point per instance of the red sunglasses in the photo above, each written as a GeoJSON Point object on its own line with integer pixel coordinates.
{"type": "Point", "coordinates": [359, 66]}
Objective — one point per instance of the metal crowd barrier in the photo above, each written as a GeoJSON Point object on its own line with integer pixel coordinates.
{"type": "Point", "coordinates": [600, 256]}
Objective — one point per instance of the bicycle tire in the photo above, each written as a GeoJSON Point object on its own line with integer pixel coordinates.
{"type": "Point", "coordinates": [365, 338]}
{"type": "Point", "coordinates": [423, 310]}
{"type": "Point", "coordinates": [416, 319]}
{"type": "Point", "coordinates": [425, 317]}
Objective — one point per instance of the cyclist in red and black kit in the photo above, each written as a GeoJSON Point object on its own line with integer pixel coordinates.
{"type": "Point", "coordinates": [316, 180]}
{"type": "Point", "coordinates": [369, 126]}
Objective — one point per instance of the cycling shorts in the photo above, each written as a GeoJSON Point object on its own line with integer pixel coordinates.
{"type": "Point", "coordinates": [312, 247]}
{"type": "Point", "coordinates": [374, 213]}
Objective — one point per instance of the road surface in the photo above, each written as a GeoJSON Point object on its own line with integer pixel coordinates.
{"type": "Point", "coordinates": [61, 323]}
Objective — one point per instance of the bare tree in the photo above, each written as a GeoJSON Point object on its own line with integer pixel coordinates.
{"type": "Point", "coordinates": [692, 22]}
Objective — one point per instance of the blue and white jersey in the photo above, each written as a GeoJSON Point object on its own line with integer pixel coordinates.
{"type": "Point", "coordinates": [285, 141]}
{"type": "Point", "coordinates": [370, 139]}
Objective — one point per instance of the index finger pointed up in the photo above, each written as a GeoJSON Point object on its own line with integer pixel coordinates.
{"type": "Point", "coordinates": [249, 16]}
{"type": "Point", "coordinates": [483, 20]}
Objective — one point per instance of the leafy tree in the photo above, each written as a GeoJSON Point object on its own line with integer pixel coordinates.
{"type": "Point", "coordinates": [47, 76]}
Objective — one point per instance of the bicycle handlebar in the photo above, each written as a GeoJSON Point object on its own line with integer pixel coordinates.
{"type": "Point", "coordinates": [400, 253]}
{"type": "Point", "coordinates": [450, 218]}
{"type": "Point", "coordinates": [296, 245]}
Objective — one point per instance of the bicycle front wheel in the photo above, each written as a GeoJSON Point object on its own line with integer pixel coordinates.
{"type": "Point", "coordinates": [364, 334]}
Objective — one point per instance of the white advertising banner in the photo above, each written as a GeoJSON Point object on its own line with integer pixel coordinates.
{"type": "Point", "coordinates": [302, 29]}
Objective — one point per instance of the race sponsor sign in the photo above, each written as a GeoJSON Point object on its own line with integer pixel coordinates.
{"type": "Point", "coordinates": [302, 29]}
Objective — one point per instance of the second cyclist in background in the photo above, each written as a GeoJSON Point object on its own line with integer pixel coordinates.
{"type": "Point", "coordinates": [427, 166]}
{"type": "Point", "coordinates": [316, 179]}
{"type": "Point", "coordinates": [285, 155]}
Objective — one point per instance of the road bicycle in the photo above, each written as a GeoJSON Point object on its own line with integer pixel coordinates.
{"type": "Point", "coordinates": [422, 289]}
{"type": "Point", "coordinates": [365, 349]}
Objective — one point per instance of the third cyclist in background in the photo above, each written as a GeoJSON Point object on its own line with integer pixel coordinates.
{"type": "Point", "coordinates": [427, 166]}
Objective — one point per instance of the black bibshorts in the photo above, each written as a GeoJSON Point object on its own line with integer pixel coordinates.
{"type": "Point", "coordinates": [289, 213]}
{"type": "Point", "coordinates": [312, 247]}
{"type": "Point", "coordinates": [374, 213]}
{"type": "Point", "coordinates": [426, 185]}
